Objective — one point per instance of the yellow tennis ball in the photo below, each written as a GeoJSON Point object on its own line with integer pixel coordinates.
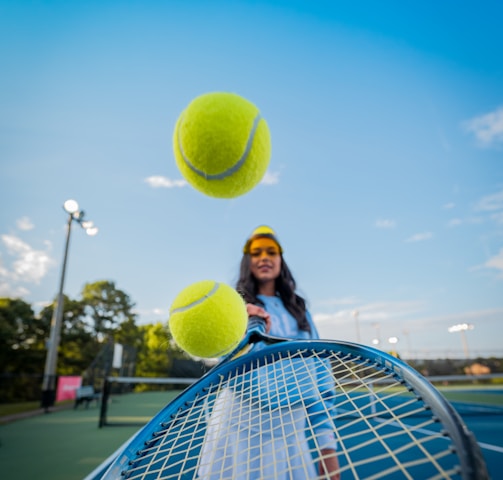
{"type": "Point", "coordinates": [222, 145]}
{"type": "Point", "coordinates": [208, 319]}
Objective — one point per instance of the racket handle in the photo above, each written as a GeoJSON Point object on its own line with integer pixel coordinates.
{"type": "Point", "coordinates": [256, 323]}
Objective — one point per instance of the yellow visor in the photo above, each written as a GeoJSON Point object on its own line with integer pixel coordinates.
{"type": "Point", "coordinates": [264, 246]}
{"type": "Point", "coordinates": [262, 232]}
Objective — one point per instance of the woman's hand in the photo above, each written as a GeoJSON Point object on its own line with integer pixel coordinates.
{"type": "Point", "coordinates": [256, 311]}
{"type": "Point", "coordinates": [329, 464]}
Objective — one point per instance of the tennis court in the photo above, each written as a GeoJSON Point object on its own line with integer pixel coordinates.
{"type": "Point", "coordinates": [485, 420]}
{"type": "Point", "coordinates": [68, 444]}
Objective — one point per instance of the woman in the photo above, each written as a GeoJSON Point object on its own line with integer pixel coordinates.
{"type": "Point", "coordinates": [268, 288]}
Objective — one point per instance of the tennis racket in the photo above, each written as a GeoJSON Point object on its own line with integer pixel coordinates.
{"type": "Point", "coordinates": [266, 410]}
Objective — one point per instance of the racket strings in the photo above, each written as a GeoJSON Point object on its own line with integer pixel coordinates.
{"type": "Point", "coordinates": [288, 428]}
{"type": "Point", "coordinates": [389, 408]}
{"type": "Point", "coordinates": [251, 423]}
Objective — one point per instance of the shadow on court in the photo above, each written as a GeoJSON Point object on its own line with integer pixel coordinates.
{"type": "Point", "coordinates": [67, 444]}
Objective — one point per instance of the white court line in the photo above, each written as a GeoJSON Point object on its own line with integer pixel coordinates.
{"type": "Point", "coordinates": [486, 446]}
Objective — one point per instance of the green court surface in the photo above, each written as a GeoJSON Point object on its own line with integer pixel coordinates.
{"type": "Point", "coordinates": [483, 396]}
{"type": "Point", "coordinates": [68, 444]}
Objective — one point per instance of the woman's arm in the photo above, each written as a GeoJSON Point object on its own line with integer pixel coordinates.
{"type": "Point", "coordinates": [329, 464]}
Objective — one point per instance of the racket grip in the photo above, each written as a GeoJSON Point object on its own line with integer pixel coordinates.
{"type": "Point", "coordinates": [256, 323]}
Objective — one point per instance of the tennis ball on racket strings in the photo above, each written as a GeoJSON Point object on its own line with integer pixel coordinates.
{"type": "Point", "coordinates": [208, 319]}
{"type": "Point", "coordinates": [222, 145]}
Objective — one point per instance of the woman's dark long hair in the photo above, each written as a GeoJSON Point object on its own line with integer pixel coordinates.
{"type": "Point", "coordinates": [247, 286]}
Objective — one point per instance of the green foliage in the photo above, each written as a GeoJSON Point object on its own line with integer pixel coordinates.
{"type": "Point", "coordinates": [103, 311]}
{"type": "Point", "coordinates": [128, 333]}
{"type": "Point", "coordinates": [107, 306]}
{"type": "Point", "coordinates": [91, 325]}
{"type": "Point", "coordinates": [22, 350]}
{"type": "Point", "coordinates": [16, 318]}
{"type": "Point", "coordinates": [21, 334]}
{"type": "Point", "coordinates": [77, 346]}
{"type": "Point", "coordinates": [153, 359]}
{"type": "Point", "coordinates": [156, 354]}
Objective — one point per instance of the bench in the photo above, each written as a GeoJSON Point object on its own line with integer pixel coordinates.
{"type": "Point", "coordinates": [86, 394]}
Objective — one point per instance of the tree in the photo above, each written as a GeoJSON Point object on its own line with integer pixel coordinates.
{"type": "Point", "coordinates": [20, 333]}
{"type": "Point", "coordinates": [103, 314]}
{"type": "Point", "coordinates": [153, 357]}
{"type": "Point", "coordinates": [159, 356]}
{"type": "Point", "coordinates": [77, 346]}
{"type": "Point", "coordinates": [22, 350]}
{"type": "Point", "coordinates": [90, 326]}
{"type": "Point", "coordinates": [107, 306]}
{"type": "Point", "coordinates": [128, 333]}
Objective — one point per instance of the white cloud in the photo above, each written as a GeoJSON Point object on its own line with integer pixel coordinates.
{"type": "Point", "coordinates": [385, 223]}
{"type": "Point", "coordinates": [448, 319]}
{"type": "Point", "coordinates": [10, 291]}
{"type": "Point", "coordinates": [270, 178]}
{"type": "Point", "coordinates": [420, 237]}
{"type": "Point", "coordinates": [151, 315]}
{"type": "Point", "coordinates": [487, 128]}
{"type": "Point", "coordinates": [339, 301]}
{"type": "Point", "coordinates": [490, 203]}
{"type": "Point", "coordinates": [372, 311]}
{"type": "Point", "coordinates": [493, 205]}
{"type": "Point", "coordinates": [489, 207]}
{"type": "Point", "coordinates": [151, 311]}
{"type": "Point", "coordinates": [29, 266]}
{"type": "Point", "coordinates": [496, 262]}
{"type": "Point", "coordinates": [379, 315]}
{"type": "Point", "coordinates": [158, 181]}
{"type": "Point", "coordinates": [449, 206]}
{"type": "Point", "coordinates": [24, 223]}
{"type": "Point", "coordinates": [455, 222]}
{"type": "Point", "coordinates": [420, 334]}
{"type": "Point", "coordinates": [382, 311]}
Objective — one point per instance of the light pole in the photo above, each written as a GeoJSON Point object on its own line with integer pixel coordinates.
{"type": "Point", "coordinates": [49, 383]}
{"type": "Point", "coordinates": [377, 339]}
{"type": "Point", "coordinates": [406, 334]}
{"type": "Point", "coordinates": [462, 328]}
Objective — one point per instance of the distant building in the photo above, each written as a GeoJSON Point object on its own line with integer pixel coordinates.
{"type": "Point", "coordinates": [477, 369]}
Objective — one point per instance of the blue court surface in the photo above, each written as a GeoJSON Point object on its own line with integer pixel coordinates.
{"type": "Point", "coordinates": [488, 431]}
{"type": "Point", "coordinates": [485, 421]}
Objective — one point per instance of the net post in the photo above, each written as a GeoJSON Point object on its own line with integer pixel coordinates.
{"type": "Point", "coordinates": [104, 403]}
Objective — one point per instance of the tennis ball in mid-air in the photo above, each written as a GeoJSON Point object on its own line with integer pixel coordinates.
{"type": "Point", "coordinates": [208, 319]}
{"type": "Point", "coordinates": [222, 145]}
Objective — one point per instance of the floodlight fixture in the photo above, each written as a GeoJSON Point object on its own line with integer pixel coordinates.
{"type": "Point", "coordinates": [71, 206]}
{"type": "Point", "coordinates": [462, 328]}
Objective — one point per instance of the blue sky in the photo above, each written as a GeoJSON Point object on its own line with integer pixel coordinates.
{"type": "Point", "coordinates": [386, 178]}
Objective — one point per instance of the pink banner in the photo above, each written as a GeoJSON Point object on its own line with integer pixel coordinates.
{"type": "Point", "coordinates": [66, 387]}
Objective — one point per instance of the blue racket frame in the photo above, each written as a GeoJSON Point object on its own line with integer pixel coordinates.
{"type": "Point", "coordinates": [472, 464]}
